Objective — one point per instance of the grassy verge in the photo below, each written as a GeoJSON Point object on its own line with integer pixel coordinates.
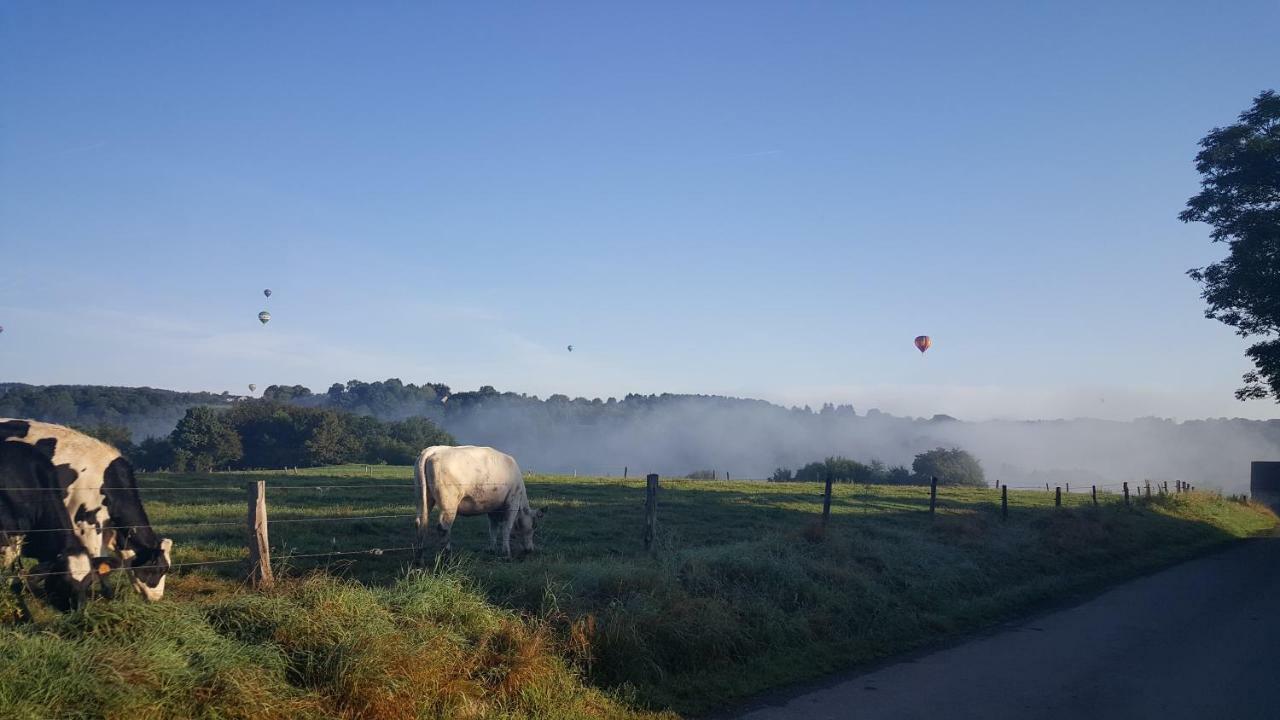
{"type": "Point", "coordinates": [424, 647]}
{"type": "Point", "coordinates": [742, 595]}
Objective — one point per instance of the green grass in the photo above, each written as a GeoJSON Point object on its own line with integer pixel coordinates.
{"type": "Point", "coordinates": [742, 595]}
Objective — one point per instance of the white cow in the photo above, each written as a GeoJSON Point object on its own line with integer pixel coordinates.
{"type": "Point", "coordinates": [471, 480]}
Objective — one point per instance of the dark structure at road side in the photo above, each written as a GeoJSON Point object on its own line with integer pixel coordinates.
{"type": "Point", "coordinates": [1264, 483]}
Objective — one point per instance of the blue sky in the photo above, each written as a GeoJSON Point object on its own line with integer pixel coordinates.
{"type": "Point", "coordinates": [762, 199]}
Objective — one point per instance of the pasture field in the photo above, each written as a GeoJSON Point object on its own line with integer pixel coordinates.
{"type": "Point", "coordinates": [741, 595]}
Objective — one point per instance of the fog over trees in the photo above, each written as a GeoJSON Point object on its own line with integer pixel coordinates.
{"type": "Point", "coordinates": [677, 434]}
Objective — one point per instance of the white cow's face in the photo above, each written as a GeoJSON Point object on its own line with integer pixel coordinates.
{"type": "Point", "coordinates": [526, 523]}
{"type": "Point", "coordinates": [148, 573]}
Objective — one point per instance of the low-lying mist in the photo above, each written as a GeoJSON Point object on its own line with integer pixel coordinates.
{"type": "Point", "coordinates": [679, 434]}
{"type": "Point", "coordinates": [750, 439]}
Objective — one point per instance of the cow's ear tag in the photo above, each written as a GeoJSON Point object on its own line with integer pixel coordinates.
{"type": "Point", "coordinates": [105, 565]}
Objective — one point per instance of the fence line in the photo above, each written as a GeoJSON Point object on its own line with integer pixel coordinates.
{"type": "Point", "coordinates": [229, 523]}
{"type": "Point", "coordinates": [257, 522]}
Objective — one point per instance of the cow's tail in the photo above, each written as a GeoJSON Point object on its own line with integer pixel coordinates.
{"type": "Point", "coordinates": [423, 500]}
{"type": "Point", "coordinates": [422, 487]}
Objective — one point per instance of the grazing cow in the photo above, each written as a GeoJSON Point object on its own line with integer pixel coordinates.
{"type": "Point", "coordinates": [34, 524]}
{"type": "Point", "coordinates": [100, 495]}
{"type": "Point", "coordinates": [470, 480]}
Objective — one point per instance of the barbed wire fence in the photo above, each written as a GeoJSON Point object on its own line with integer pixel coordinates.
{"type": "Point", "coordinates": [258, 562]}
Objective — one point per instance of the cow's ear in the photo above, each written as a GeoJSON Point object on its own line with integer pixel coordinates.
{"type": "Point", "coordinates": [166, 545]}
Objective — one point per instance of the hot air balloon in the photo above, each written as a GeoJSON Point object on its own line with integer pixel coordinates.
{"type": "Point", "coordinates": [570, 348]}
{"type": "Point", "coordinates": [1, 328]}
{"type": "Point", "coordinates": [252, 387]}
{"type": "Point", "coordinates": [264, 317]}
{"type": "Point", "coordinates": [923, 343]}
{"type": "Point", "coordinates": [267, 292]}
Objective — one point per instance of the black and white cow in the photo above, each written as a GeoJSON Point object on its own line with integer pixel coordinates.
{"type": "Point", "coordinates": [100, 496]}
{"type": "Point", "coordinates": [34, 524]}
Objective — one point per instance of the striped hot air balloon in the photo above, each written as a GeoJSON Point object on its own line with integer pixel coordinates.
{"type": "Point", "coordinates": [264, 317]}
{"type": "Point", "coordinates": [923, 343]}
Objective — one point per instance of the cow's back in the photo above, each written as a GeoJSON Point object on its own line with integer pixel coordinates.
{"type": "Point", "coordinates": [80, 461]}
{"type": "Point", "coordinates": [472, 479]}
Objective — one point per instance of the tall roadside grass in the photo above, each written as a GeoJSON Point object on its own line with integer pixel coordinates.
{"type": "Point", "coordinates": [424, 647]}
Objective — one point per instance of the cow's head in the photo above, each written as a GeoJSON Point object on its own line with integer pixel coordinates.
{"type": "Point", "coordinates": [526, 522]}
{"type": "Point", "coordinates": [148, 568]}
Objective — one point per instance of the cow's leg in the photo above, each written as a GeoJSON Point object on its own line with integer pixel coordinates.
{"type": "Point", "coordinates": [444, 527]}
{"type": "Point", "coordinates": [496, 519]}
{"type": "Point", "coordinates": [424, 531]}
{"type": "Point", "coordinates": [508, 521]}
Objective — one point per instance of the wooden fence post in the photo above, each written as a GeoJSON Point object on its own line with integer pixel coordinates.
{"type": "Point", "coordinates": [650, 511]}
{"type": "Point", "coordinates": [826, 502]}
{"type": "Point", "coordinates": [1126, 494]}
{"type": "Point", "coordinates": [624, 472]}
{"type": "Point", "coordinates": [1094, 491]}
{"type": "Point", "coordinates": [259, 544]}
{"type": "Point", "coordinates": [1046, 487]}
{"type": "Point", "coordinates": [1004, 502]}
{"type": "Point", "coordinates": [1148, 481]}
{"type": "Point", "coordinates": [1165, 491]}
{"type": "Point", "coordinates": [1068, 488]}
{"type": "Point", "coordinates": [1057, 497]}
{"type": "Point", "coordinates": [933, 495]}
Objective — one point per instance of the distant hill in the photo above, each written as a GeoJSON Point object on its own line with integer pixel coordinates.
{"type": "Point", "coordinates": [145, 411]}
{"type": "Point", "coordinates": [675, 434]}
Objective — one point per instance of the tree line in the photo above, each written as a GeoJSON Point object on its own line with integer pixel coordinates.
{"type": "Point", "coordinates": [950, 466]}
{"type": "Point", "coordinates": [270, 434]}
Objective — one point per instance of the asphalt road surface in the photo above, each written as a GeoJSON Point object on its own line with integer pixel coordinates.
{"type": "Point", "coordinates": [1199, 640]}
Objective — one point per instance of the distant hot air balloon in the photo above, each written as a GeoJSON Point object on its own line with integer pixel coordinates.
{"type": "Point", "coordinates": [252, 387]}
{"type": "Point", "coordinates": [923, 343]}
{"type": "Point", "coordinates": [267, 292]}
{"type": "Point", "coordinates": [570, 348]}
{"type": "Point", "coordinates": [264, 317]}
{"type": "Point", "coordinates": [1, 328]}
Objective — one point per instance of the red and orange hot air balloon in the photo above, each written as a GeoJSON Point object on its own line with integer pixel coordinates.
{"type": "Point", "coordinates": [923, 343]}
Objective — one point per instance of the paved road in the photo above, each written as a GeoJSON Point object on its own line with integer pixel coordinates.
{"type": "Point", "coordinates": [1200, 640]}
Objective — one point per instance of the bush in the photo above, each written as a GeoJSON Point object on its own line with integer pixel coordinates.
{"type": "Point", "coordinates": [782, 475]}
{"type": "Point", "coordinates": [951, 467]}
{"type": "Point", "coordinates": [844, 470]}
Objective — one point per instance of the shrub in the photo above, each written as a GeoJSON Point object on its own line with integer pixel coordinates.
{"type": "Point", "coordinates": [951, 467]}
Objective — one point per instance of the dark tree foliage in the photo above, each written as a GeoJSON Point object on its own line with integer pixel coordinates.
{"type": "Point", "coordinates": [284, 393]}
{"type": "Point", "coordinates": [146, 411]}
{"type": "Point", "coordinates": [153, 454]}
{"type": "Point", "coordinates": [269, 434]}
{"type": "Point", "coordinates": [951, 467]}
{"type": "Point", "coordinates": [204, 441]}
{"type": "Point", "coordinates": [1240, 197]}
{"type": "Point", "coordinates": [116, 436]}
{"type": "Point", "coordinates": [844, 470]}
